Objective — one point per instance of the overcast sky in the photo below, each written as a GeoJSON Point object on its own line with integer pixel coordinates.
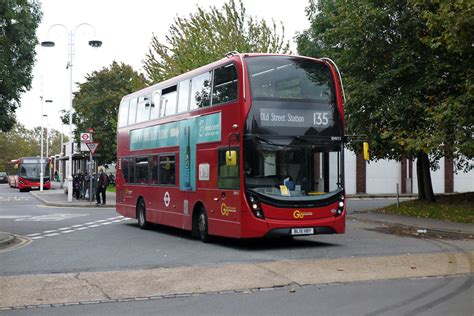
{"type": "Point", "coordinates": [125, 28]}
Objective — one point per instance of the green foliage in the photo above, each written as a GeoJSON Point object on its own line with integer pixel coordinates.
{"type": "Point", "coordinates": [408, 76]}
{"type": "Point", "coordinates": [206, 36]}
{"type": "Point", "coordinates": [18, 142]}
{"type": "Point", "coordinates": [22, 142]}
{"type": "Point", "coordinates": [18, 22]}
{"type": "Point", "coordinates": [96, 105]}
{"type": "Point", "coordinates": [454, 208]}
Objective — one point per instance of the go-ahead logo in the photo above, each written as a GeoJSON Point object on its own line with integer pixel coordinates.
{"type": "Point", "coordinates": [226, 210]}
{"type": "Point", "coordinates": [297, 214]}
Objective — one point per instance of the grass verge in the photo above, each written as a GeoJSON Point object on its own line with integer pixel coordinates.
{"type": "Point", "coordinates": [448, 207]}
{"type": "Point", "coordinates": [111, 188]}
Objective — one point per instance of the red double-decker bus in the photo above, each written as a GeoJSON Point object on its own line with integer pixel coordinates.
{"type": "Point", "coordinates": [248, 146]}
{"type": "Point", "coordinates": [24, 173]}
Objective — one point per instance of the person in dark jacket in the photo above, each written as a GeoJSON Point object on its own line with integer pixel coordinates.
{"type": "Point", "coordinates": [102, 182]}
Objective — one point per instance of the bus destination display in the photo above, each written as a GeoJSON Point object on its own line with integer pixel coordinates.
{"type": "Point", "coordinates": [295, 118]}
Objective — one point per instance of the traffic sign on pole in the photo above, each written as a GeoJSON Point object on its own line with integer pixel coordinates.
{"type": "Point", "coordinates": [92, 147]}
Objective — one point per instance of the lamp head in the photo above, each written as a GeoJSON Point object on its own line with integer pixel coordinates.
{"type": "Point", "coordinates": [47, 44]}
{"type": "Point", "coordinates": [95, 43]}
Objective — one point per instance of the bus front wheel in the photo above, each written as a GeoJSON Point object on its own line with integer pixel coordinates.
{"type": "Point", "coordinates": [203, 225]}
{"type": "Point", "coordinates": [141, 214]}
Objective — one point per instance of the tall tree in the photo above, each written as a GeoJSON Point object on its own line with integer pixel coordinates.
{"type": "Point", "coordinates": [18, 142]}
{"type": "Point", "coordinates": [207, 36]}
{"type": "Point", "coordinates": [96, 105]}
{"type": "Point", "coordinates": [19, 20]}
{"type": "Point", "coordinates": [399, 82]}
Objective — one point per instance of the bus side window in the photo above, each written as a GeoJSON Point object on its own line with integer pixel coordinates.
{"type": "Point", "coordinates": [153, 169]}
{"type": "Point", "coordinates": [183, 96]}
{"type": "Point", "coordinates": [225, 84]}
{"type": "Point", "coordinates": [143, 108]}
{"type": "Point", "coordinates": [168, 101]}
{"type": "Point", "coordinates": [155, 105]}
{"type": "Point", "coordinates": [125, 168]}
{"type": "Point", "coordinates": [201, 91]}
{"type": "Point", "coordinates": [167, 170]}
{"type": "Point", "coordinates": [141, 170]}
{"type": "Point", "coordinates": [132, 113]}
{"type": "Point", "coordinates": [228, 176]}
{"type": "Point", "coordinates": [123, 113]}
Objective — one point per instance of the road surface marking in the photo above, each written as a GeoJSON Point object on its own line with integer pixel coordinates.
{"type": "Point", "coordinates": [76, 228]}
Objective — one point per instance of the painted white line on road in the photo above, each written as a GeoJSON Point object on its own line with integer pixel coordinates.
{"type": "Point", "coordinates": [67, 231]}
{"type": "Point", "coordinates": [82, 228]}
{"type": "Point", "coordinates": [93, 226]}
{"type": "Point", "coordinates": [37, 237]}
{"type": "Point", "coordinates": [50, 235]}
{"type": "Point", "coordinates": [117, 221]}
{"type": "Point", "coordinates": [101, 221]}
{"type": "Point", "coordinates": [64, 228]}
{"type": "Point", "coordinates": [32, 235]}
{"type": "Point", "coordinates": [89, 223]}
{"type": "Point", "coordinates": [77, 226]}
{"type": "Point", "coordinates": [49, 231]}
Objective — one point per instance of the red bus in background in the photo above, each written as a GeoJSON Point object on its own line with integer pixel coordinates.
{"type": "Point", "coordinates": [248, 146]}
{"type": "Point", "coordinates": [24, 173]}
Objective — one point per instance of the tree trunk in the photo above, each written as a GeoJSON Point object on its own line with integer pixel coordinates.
{"type": "Point", "coordinates": [425, 187]}
{"type": "Point", "coordinates": [419, 177]}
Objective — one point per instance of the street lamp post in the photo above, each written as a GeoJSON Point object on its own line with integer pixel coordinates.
{"type": "Point", "coordinates": [42, 137]}
{"type": "Point", "coordinates": [92, 43]}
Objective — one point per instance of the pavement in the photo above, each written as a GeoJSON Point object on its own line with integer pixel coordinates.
{"type": "Point", "coordinates": [57, 197]}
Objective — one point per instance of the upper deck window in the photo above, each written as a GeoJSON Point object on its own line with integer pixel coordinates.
{"type": "Point", "coordinates": [183, 95]}
{"type": "Point", "coordinates": [169, 97]}
{"type": "Point", "coordinates": [201, 91]}
{"type": "Point", "coordinates": [281, 77]}
{"type": "Point", "coordinates": [143, 108]}
{"type": "Point", "coordinates": [132, 113]}
{"type": "Point", "coordinates": [224, 84]}
{"type": "Point", "coordinates": [123, 113]}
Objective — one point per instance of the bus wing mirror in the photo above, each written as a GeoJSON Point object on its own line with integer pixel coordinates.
{"type": "Point", "coordinates": [366, 151]}
{"type": "Point", "coordinates": [231, 158]}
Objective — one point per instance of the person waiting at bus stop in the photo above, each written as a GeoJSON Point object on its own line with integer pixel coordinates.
{"type": "Point", "coordinates": [102, 182]}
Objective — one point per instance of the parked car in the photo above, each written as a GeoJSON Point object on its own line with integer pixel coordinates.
{"type": "Point", "coordinates": [3, 177]}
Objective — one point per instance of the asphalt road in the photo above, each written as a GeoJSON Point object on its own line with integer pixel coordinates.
{"type": "Point", "coordinates": [426, 296]}
{"type": "Point", "coordinates": [67, 240]}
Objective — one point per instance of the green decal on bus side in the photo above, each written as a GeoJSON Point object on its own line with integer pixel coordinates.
{"type": "Point", "coordinates": [167, 135]}
{"type": "Point", "coordinates": [209, 128]}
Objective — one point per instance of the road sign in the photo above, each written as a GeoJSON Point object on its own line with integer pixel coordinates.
{"type": "Point", "coordinates": [91, 130]}
{"type": "Point", "coordinates": [86, 137]}
{"type": "Point", "coordinates": [92, 147]}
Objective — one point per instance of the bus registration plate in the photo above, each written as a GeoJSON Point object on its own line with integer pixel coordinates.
{"type": "Point", "coordinates": [302, 231]}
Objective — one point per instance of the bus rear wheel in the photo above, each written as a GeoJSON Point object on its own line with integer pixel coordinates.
{"type": "Point", "coordinates": [203, 225]}
{"type": "Point", "coordinates": [141, 214]}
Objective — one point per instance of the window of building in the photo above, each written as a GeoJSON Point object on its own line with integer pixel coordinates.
{"type": "Point", "coordinates": [201, 91]}
{"type": "Point", "coordinates": [143, 108]}
{"type": "Point", "coordinates": [141, 170]}
{"type": "Point", "coordinates": [169, 97]}
{"type": "Point", "coordinates": [132, 113]}
{"type": "Point", "coordinates": [225, 84]}
{"type": "Point", "coordinates": [153, 169]}
{"type": "Point", "coordinates": [183, 96]}
{"type": "Point", "coordinates": [167, 170]}
{"type": "Point", "coordinates": [228, 176]}
{"type": "Point", "coordinates": [155, 105]}
{"type": "Point", "coordinates": [123, 113]}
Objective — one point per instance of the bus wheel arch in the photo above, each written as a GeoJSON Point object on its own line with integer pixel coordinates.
{"type": "Point", "coordinates": [141, 213]}
{"type": "Point", "coordinates": [200, 225]}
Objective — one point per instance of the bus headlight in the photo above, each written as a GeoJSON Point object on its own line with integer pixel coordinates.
{"type": "Point", "coordinates": [340, 208]}
{"type": "Point", "coordinates": [256, 207]}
